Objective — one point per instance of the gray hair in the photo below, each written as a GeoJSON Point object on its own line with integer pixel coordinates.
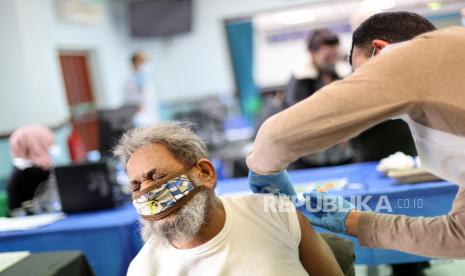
{"type": "Point", "coordinates": [177, 137]}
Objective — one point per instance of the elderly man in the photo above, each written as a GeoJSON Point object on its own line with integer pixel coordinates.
{"type": "Point", "coordinates": [188, 230]}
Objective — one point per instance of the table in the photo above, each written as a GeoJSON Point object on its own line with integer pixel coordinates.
{"type": "Point", "coordinates": [108, 238]}
{"type": "Point", "coordinates": [69, 263]}
{"type": "Point", "coordinates": [436, 199]}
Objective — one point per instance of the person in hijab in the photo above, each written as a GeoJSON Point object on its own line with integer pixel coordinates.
{"type": "Point", "coordinates": [31, 162]}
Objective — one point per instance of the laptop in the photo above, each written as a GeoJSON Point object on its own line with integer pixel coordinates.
{"type": "Point", "coordinates": [85, 187]}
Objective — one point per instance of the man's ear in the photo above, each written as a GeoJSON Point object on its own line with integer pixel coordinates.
{"type": "Point", "coordinates": [378, 45]}
{"type": "Point", "coordinates": [205, 173]}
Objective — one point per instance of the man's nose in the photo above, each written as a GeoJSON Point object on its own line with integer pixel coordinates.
{"type": "Point", "coordinates": [145, 184]}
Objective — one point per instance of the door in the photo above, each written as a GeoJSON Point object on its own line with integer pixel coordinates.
{"type": "Point", "coordinates": [80, 95]}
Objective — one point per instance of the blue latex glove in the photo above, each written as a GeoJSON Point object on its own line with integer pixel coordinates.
{"type": "Point", "coordinates": [334, 219]}
{"type": "Point", "coordinates": [278, 183]}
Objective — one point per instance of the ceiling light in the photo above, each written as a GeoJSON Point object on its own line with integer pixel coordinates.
{"type": "Point", "coordinates": [294, 17]}
{"type": "Point", "coordinates": [377, 5]}
{"type": "Point", "coordinates": [434, 6]}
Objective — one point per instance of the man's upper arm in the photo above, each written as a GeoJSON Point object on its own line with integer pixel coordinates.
{"type": "Point", "coordinates": [315, 255]}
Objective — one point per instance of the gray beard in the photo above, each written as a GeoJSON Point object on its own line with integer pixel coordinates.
{"type": "Point", "coordinates": [181, 225]}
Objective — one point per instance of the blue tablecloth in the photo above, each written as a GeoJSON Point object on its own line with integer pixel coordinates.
{"type": "Point", "coordinates": [108, 238]}
{"type": "Point", "coordinates": [435, 198]}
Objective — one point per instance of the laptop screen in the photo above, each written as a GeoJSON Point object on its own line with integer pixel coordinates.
{"type": "Point", "coordinates": [85, 187]}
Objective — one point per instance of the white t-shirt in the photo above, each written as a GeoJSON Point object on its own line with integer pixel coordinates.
{"type": "Point", "coordinates": [261, 236]}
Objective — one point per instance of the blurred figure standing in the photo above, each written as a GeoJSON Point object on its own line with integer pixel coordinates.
{"type": "Point", "coordinates": [324, 66]}
{"type": "Point", "coordinates": [139, 91]}
{"type": "Point", "coordinates": [32, 162]}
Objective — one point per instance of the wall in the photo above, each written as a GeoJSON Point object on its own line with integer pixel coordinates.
{"type": "Point", "coordinates": [31, 85]}
{"type": "Point", "coordinates": [190, 65]}
{"type": "Point", "coordinates": [25, 90]}
{"type": "Point", "coordinates": [31, 88]}
{"type": "Point", "coordinates": [111, 62]}
{"type": "Point", "coordinates": [197, 64]}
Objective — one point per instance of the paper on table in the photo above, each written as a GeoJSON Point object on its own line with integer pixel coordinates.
{"type": "Point", "coordinates": [10, 258]}
{"type": "Point", "coordinates": [322, 185]}
{"type": "Point", "coordinates": [29, 222]}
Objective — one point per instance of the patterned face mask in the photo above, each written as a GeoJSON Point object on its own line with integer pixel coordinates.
{"type": "Point", "coordinates": [163, 200]}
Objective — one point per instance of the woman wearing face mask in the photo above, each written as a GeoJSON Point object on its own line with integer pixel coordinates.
{"type": "Point", "coordinates": [422, 81]}
{"type": "Point", "coordinates": [32, 162]}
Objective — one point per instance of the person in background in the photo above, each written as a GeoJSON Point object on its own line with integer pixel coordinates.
{"type": "Point", "coordinates": [323, 67]}
{"type": "Point", "coordinates": [32, 162]}
{"type": "Point", "coordinates": [139, 92]}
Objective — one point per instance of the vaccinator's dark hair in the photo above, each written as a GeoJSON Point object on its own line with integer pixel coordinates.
{"type": "Point", "coordinates": [391, 27]}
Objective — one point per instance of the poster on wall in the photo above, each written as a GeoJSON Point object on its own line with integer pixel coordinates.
{"type": "Point", "coordinates": [89, 12]}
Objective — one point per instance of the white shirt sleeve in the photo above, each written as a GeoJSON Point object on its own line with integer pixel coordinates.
{"type": "Point", "coordinates": [283, 215]}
